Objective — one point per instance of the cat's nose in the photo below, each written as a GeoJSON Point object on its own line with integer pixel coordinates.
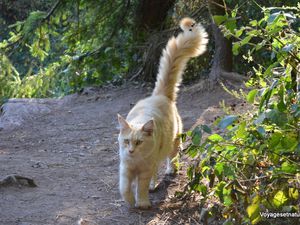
{"type": "Point", "coordinates": [131, 151]}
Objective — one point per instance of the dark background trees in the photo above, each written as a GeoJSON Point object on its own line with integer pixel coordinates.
{"type": "Point", "coordinates": [67, 45]}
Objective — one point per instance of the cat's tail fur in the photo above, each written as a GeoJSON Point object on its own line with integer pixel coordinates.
{"type": "Point", "coordinates": [190, 43]}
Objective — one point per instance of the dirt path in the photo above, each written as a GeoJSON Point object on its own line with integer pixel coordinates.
{"type": "Point", "coordinates": [72, 154]}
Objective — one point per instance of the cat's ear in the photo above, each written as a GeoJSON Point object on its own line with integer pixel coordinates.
{"type": "Point", "coordinates": [123, 123]}
{"type": "Point", "coordinates": [148, 127]}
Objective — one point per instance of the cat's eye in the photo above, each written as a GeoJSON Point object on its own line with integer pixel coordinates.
{"type": "Point", "coordinates": [138, 142]}
{"type": "Point", "coordinates": [126, 141]}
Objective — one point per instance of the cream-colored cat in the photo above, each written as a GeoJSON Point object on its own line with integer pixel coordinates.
{"type": "Point", "coordinates": [150, 132]}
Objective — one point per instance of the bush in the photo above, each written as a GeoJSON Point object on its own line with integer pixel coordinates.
{"type": "Point", "coordinates": [254, 167]}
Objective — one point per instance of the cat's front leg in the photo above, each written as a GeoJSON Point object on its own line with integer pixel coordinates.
{"type": "Point", "coordinates": [125, 183]}
{"type": "Point", "coordinates": [142, 195]}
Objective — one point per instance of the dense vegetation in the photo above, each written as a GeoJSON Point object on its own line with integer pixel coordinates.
{"type": "Point", "coordinates": [253, 166]}
{"type": "Point", "coordinates": [60, 50]}
{"type": "Point", "coordinates": [52, 48]}
{"type": "Point", "coordinates": [72, 44]}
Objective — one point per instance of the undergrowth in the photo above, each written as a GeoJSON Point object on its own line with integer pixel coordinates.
{"type": "Point", "coordinates": [252, 167]}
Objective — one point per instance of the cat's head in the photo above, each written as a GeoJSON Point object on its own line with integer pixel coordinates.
{"type": "Point", "coordinates": [134, 139]}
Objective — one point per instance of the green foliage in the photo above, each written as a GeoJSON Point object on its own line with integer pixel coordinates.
{"type": "Point", "coordinates": [253, 166]}
{"type": "Point", "coordinates": [65, 45]}
{"type": "Point", "coordinates": [9, 79]}
{"type": "Point", "coordinates": [72, 45]}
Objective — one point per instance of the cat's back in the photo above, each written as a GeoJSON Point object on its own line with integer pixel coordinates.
{"type": "Point", "coordinates": [157, 107]}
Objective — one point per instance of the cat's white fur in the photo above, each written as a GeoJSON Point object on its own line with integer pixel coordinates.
{"type": "Point", "coordinates": [150, 132]}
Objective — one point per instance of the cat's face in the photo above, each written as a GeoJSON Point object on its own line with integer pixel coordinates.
{"type": "Point", "coordinates": [134, 140]}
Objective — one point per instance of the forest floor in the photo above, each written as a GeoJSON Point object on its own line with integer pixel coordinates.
{"type": "Point", "coordinates": [71, 152]}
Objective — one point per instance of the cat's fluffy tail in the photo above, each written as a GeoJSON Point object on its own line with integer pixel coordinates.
{"type": "Point", "coordinates": [190, 43]}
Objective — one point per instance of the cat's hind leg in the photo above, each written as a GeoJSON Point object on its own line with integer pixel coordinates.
{"type": "Point", "coordinates": [153, 181]}
{"type": "Point", "coordinates": [172, 160]}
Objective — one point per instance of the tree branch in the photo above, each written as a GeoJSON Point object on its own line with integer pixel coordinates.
{"type": "Point", "coordinates": [113, 33]}
{"type": "Point", "coordinates": [49, 14]}
{"type": "Point", "coordinates": [52, 10]}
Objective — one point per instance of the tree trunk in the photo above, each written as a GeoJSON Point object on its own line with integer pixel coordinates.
{"type": "Point", "coordinates": [149, 19]}
{"type": "Point", "coordinates": [222, 62]}
{"type": "Point", "coordinates": [151, 14]}
{"type": "Point", "coordinates": [223, 54]}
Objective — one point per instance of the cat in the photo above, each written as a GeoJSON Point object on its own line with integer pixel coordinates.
{"type": "Point", "coordinates": [149, 134]}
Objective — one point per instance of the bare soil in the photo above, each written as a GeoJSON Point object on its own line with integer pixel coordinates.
{"type": "Point", "coordinates": [71, 153]}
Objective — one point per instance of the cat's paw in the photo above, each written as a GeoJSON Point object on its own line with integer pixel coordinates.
{"type": "Point", "coordinates": [152, 185]}
{"type": "Point", "coordinates": [171, 169]}
{"type": "Point", "coordinates": [172, 166]}
{"type": "Point", "coordinates": [146, 204]}
{"type": "Point", "coordinates": [129, 198]}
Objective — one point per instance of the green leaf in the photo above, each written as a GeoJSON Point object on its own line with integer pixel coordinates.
{"type": "Point", "coordinates": [206, 129]}
{"type": "Point", "coordinates": [196, 136]}
{"type": "Point", "coordinates": [227, 200]}
{"type": "Point", "coordinates": [205, 168]}
{"type": "Point", "coordinates": [261, 131]}
{"type": "Point", "coordinates": [231, 24]}
{"type": "Point", "coordinates": [275, 140]}
{"type": "Point", "coordinates": [282, 104]}
{"type": "Point", "coordinates": [196, 139]}
{"type": "Point", "coordinates": [266, 94]}
{"type": "Point", "coordinates": [254, 33]}
{"type": "Point", "coordinates": [219, 167]}
{"type": "Point", "coordinates": [219, 190]}
{"type": "Point", "coordinates": [215, 137]}
{"type": "Point", "coordinates": [241, 130]}
{"type": "Point", "coordinates": [189, 133]}
{"type": "Point", "coordinates": [192, 151]}
{"type": "Point", "coordinates": [253, 211]}
{"type": "Point", "coordinates": [279, 198]}
{"type": "Point", "coordinates": [272, 17]}
{"type": "Point", "coordinates": [190, 172]}
{"type": "Point", "coordinates": [202, 189]}
{"type": "Point", "coordinates": [260, 45]}
{"type": "Point", "coordinates": [294, 193]}
{"type": "Point", "coordinates": [245, 40]}
{"type": "Point", "coordinates": [288, 167]}
{"type": "Point", "coordinates": [229, 172]}
{"type": "Point", "coordinates": [219, 19]}
{"type": "Point", "coordinates": [235, 48]}
{"type": "Point", "coordinates": [277, 117]}
{"type": "Point", "coordinates": [239, 32]}
{"type": "Point", "coordinates": [253, 23]}
{"type": "Point", "coordinates": [289, 142]}
{"type": "Point", "coordinates": [227, 120]}
{"type": "Point", "coordinates": [251, 95]}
